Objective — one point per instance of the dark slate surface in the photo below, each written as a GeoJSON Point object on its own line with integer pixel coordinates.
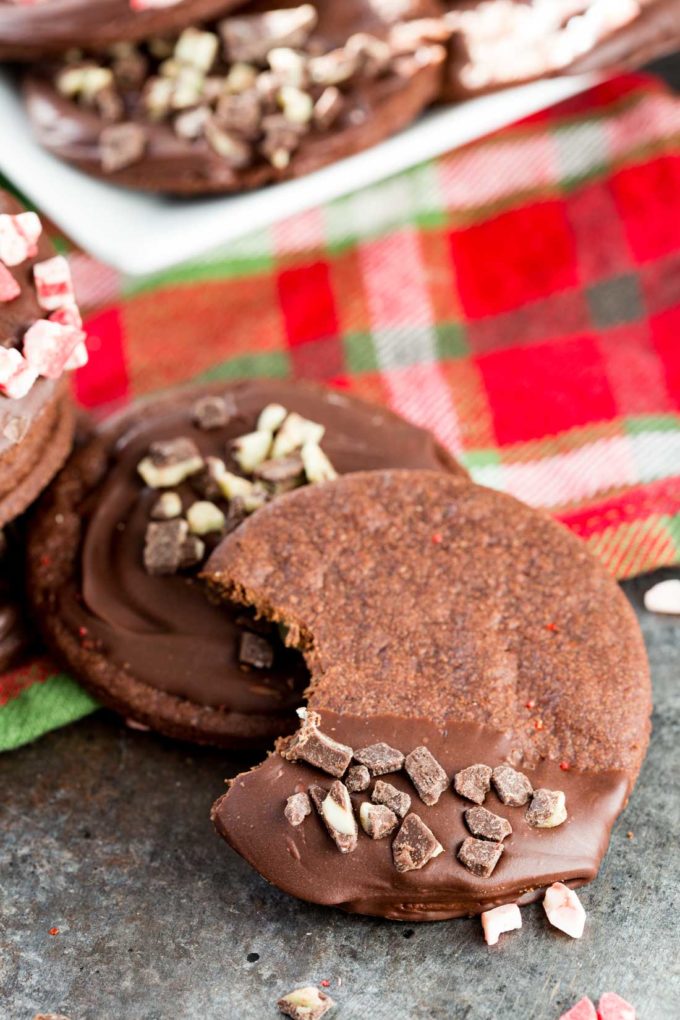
{"type": "Point", "coordinates": [105, 835]}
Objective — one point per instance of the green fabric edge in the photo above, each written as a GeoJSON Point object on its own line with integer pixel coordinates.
{"type": "Point", "coordinates": [42, 707]}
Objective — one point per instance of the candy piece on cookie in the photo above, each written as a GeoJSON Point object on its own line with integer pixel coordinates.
{"type": "Point", "coordinates": [426, 774]}
{"type": "Point", "coordinates": [49, 347]}
{"type": "Point", "coordinates": [473, 783]}
{"type": "Point", "coordinates": [358, 778]}
{"type": "Point", "coordinates": [548, 809]}
{"type": "Point", "coordinates": [53, 283]}
{"type": "Point", "coordinates": [377, 821]}
{"type": "Point", "coordinates": [16, 375]}
{"type": "Point", "coordinates": [19, 235]}
{"type": "Point", "coordinates": [298, 806]}
{"type": "Point", "coordinates": [486, 825]}
{"type": "Point", "coordinates": [391, 797]}
{"type": "Point", "coordinates": [380, 758]}
{"type": "Point", "coordinates": [414, 845]}
{"type": "Point", "coordinates": [9, 288]}
{"type": "Point", "coordinates": [317, 748]}
{"type": "Point", "coordinates": [499, 920]}
{"type": "Point", "coordinates": [480, 856]}
{"type": "Point", "coordinates": [336, 809]}
{"type": "Point", "coordinates": [564, 910]}
{"type": "Point", "coordinates": [512, 787]}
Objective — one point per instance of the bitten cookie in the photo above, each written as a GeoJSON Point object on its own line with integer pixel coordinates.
{"type": "Point", "coordinates": [260, 96]}
{"type": "Point", "coordinates": [30, 30]}
{"type": "Point", "coordinates": [497, 43]}
{"type": "Point", "coordinates": [479, 700]}
{"type": "Point", "coordinates": [115, 551]}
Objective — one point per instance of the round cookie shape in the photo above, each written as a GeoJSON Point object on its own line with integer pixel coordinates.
{"type": "Point", "coordinates": [511, 41]}
{"type": "Point", "coordinates": [237, 119]}
{"type": "Point", "coordinates": [29, 31]}
{"type": "Point", "coordinates": [437, 614]}
{"type": "Point", "coordinates": [36, 430]}
{"type": "Point", "coordinates": [153, 647]}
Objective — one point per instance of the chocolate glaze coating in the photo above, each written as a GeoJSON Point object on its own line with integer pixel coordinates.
{"type": "Point", "coordinates": [32, 31]}
{"type": "Point", "coordinates": [177, 166]}
{"type": "Point", "coordinates": [154, 648]}
{"type": "Point", "coordinates": [655, 31]}
{"type": "Point", "coordinates": [44, 417]}
{"type": "Point", "coordinates": [431, 610]}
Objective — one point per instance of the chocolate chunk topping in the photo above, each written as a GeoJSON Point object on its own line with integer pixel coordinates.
{"type": "Point", "coordinates": [486, 825]}
{"type": "Point", "coordinates": [335, 807]}
{"type": "Point", "coordinates": [256, 651]}
{"type": "Point", "coordinates": [547, 809]}
{"type": "Point", "coordinates": [414, 845]}
{"type": "Point", "coordinates": [193, 551]}
{"type": "Point", "coordinates": [212, 412]}
{"type": "Point", "coordinates": [380, 759]}
{"type": "Point", "coordinates": [305, 1004]}
{"type": "Point", "coordinates": [426, 774]}
{"type": "Point", "coordinates": [358, 779]}
{"type": "Point", "coordinates": [512, 787]}
{"type": "Point", "coordinates": [473, 783]}
{"type": "Point", "coordinates": [165, 452]}
{"type": "Point", "coordinates": [163, 546]}
{"type": "Point", "coordinates": [385, 793]}
{"type": "Point", "coordinates": [377, 820]}
{"type": "Point", "coordinates": [298, 806]}
{"type": "Point", "coordinates": [315, 747]}
{"type": "Point", "coordinates": [480, 856]}
{"type": "Point", "coordinates": [121, 145]}
{"type": "Point", "coordinates": [285, 469]}
{"type": "Point", "coordinates": [166, 507]}
{"type": "Point", "coordinates": [205, 482]}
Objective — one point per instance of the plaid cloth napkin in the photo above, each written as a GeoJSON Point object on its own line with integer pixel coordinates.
{"type": "Point", "coordinates": [520, 298]}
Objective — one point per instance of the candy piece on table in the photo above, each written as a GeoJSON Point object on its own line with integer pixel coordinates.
{"type": "Point", "coordinates": [497, 921]}
{"type": "Point", "coordinates": [16, 375]}
{"type": "Point", "coordinates": [664, 597]}
{"type": "Point", "coordinates": [305, 1004]}
{"type": "Point", "coordinates": [53, 283]}
{"type": "Point", "coordinates": [9, 288]}
{"type": "Point", "coordinates": [583, 1010]}
{"type": "Point", "coordinates": [48, 347]}
{"type": "Point", "coordinates": [18, 237]}
{"type": "Point", "coordinates": [564, 909]}
{"type": "Point", "coordinates": [612, 1007]}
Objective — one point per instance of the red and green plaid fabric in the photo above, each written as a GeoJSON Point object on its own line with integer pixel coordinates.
{"type": "Point", "coordinates": [520, 298]}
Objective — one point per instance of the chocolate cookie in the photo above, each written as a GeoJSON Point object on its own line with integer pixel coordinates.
{"type": "Point", "coordinates": [266, 95]}
{"type": "Point", "coordinates": [29, 30]}
{"type": "Point", "coordinates": [497, 43]}
{"type": "Point", "coordinates": [454, 626]}
{"type": "Point", "coordinates": [113, 562]}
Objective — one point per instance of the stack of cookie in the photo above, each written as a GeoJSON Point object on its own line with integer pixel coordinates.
{"type": "Point", "coordinates": [194, 96]}
{"type": "Point", "coordinates": [41, 341]}
{"type": "Point", "coordinates": [473, 686]}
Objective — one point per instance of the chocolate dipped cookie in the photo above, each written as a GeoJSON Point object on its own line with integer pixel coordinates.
{"type": "Point", "coordinates": [40, 340]}
{"type": "Point", "coordinates": [30, 30]}
{"type": "Point", "coordinates": [263, 95]}
{"type": "Point", "coordinates": [479, 701]}
{"type": "Point", "coordinates": [115, 551]}
{"type": "Point", "coordinates": [499, 43]}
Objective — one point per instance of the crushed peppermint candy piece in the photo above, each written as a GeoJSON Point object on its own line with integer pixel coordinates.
{"type": "Point", "coordinates": [305, 1004]}
{"type": "Point", "coordinates": [298, 806]}
{"type": "Point", "coordinates": [9, 288]}
{"type": "Point", "coordinates": [426, 774]}
{"type": "Point", "coordinates": [251, 450]}
{"type": "Point", "coordinates": [53, 283]}
{"type": "Point", "coordinates": [391, 797]}
{"type": "Point", "coordinates": [414, 845]}
{"type": "Point", "coordinates": [583, 1010]}
{"type": "Point", "coordinates": [271, 418]}
{"type": "Point", "coordinates": [612, 1007]}
{"type": "Point", "coordinates": [49, 346]}
{"type": "Point", "coordinates": [167, 506]}
{"type": "Point", "coordinates": [317, 748]}
{"type": "Point", "coordinates": [512, 787]}
{"type": "Point", "coordinates": [19, 237]}
{"type": "Point", "coordinates": [499, 920]}
{"type": "Point", "coordinates": [564, 909]}
{"type": "Point", "coordinates": [380, 758]}
{"type": "Point", "coordinates": [377, 820]}
{"type": "Point", "coordinates": [480, 856]}
{"type": "Point", "coordinates": [16, 375]}
{"type": "Point", "coordinates": [205, 517]}
{"type": "Point", "coordinates": [335, 807]}
{"type": "Point", "coordinates": [294, 433]}
{"type": "Point", "coordinates": [473, 783]}
{"type": "Point", "coordinates": [664, 597]}
{"type": "Point", "coordinates": [486, 825]}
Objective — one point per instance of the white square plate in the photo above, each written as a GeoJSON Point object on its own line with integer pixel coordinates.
{"type": "Point", "coordinates": [138, 233]}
